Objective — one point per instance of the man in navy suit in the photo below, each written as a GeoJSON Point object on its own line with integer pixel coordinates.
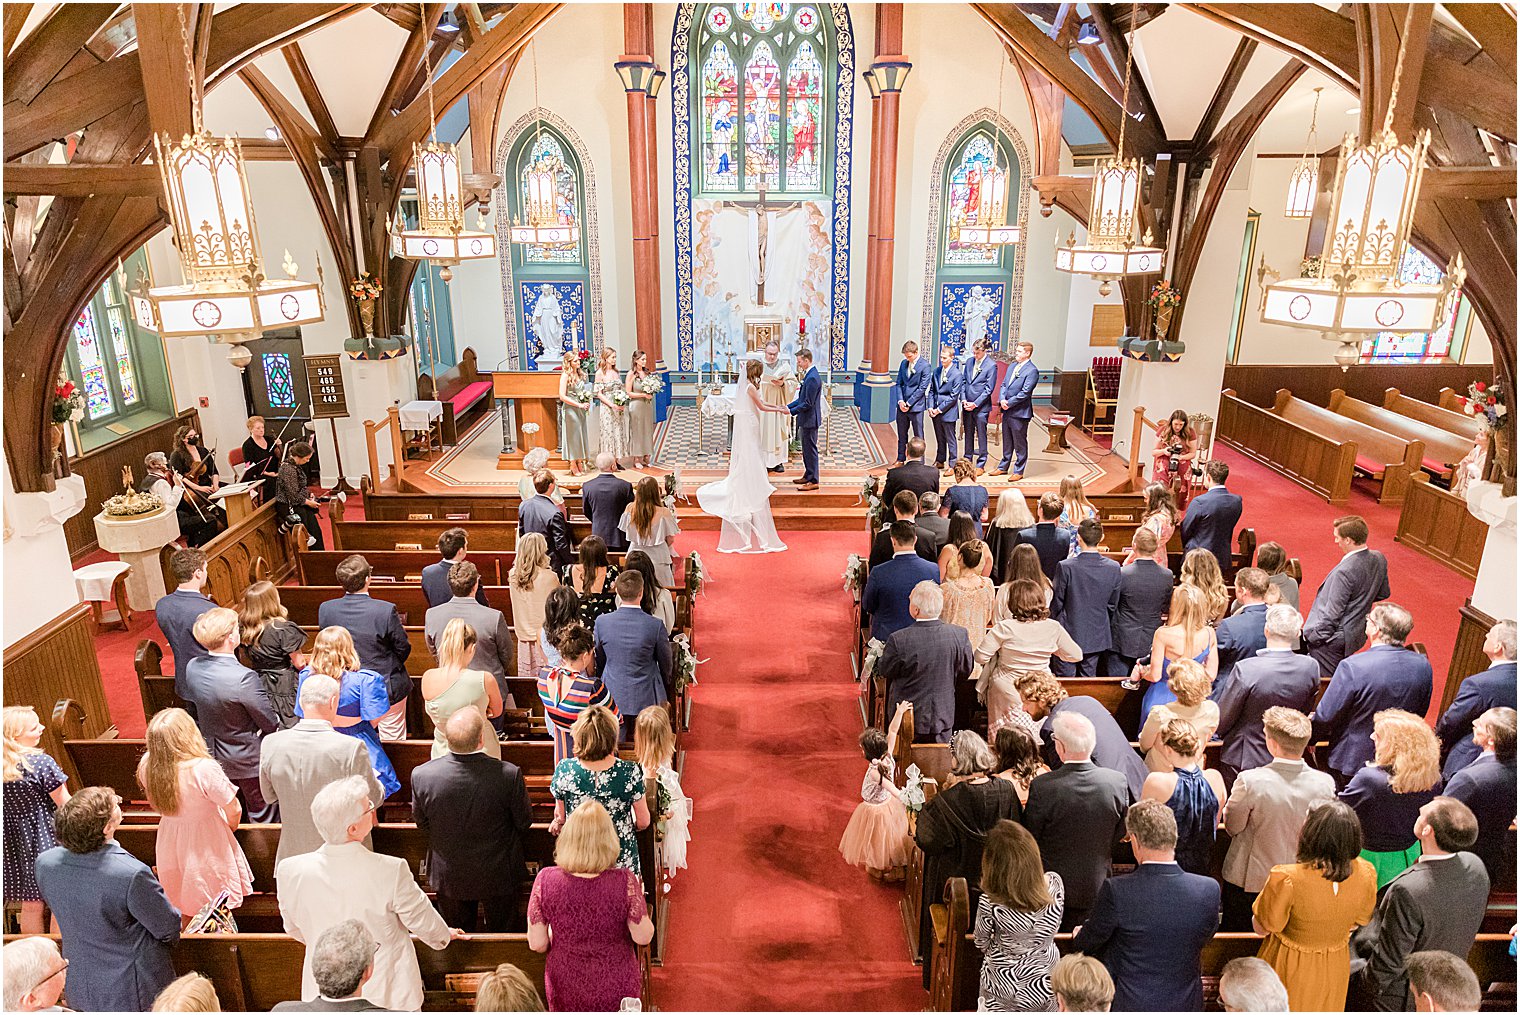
{"type": "Point", "coordinates": [633, 653]}
{"type": "Point", "coordinates": [1145, 594]}
{"type": "Point", "coordinates": [1016, 399]}
{"type": "Point", "coordinates": [889, 587]}
{"type": "Point", "coordinates": [452, 547]}
{"type": "Point", "coordinates": [1487, 787]}
{"type": "Point", "coordinates": [1336, 625]}
{"type": "Point", "coordinates": [1493, 688]}
{"type": "Point", "coordinates": [604, 498]}
{"type": "Point", "coordinates": [912, 397]}
{"type": "Point", "coordinates": [232, 709]}
{"type": "Point", "coordinates": [379, 638]}
{"type": "Point", "coordinates": [179, 610]}
{"type": "Point", "coordinates": [904, 509]}
{"type": "Point", "coordinates": [1212, 516]}
{"type": "Point", "coordinates": [1275, 675]}
{"type": "Point", "coordinates": [808, 408]}
{"type": "Point", "coordinates": [1086, 599]}
{"type": "Point", "coordinates": [1149, 927]}
{"type": "Point", "coordinates": [1050, 541]}
{"type": "Point", "coordinates": [112, 912]}
{"type": "Point", "coordinates": [540, 514]}
{"type": "Point", "coordinates": [1046, 700]}
{"type": "Point", "coordinates": [945, 386]}
{"type": "Point", "coordinates": [1243, 633]}
{"type": "Point", "coordinates": [979, 377]}
{"type": "Point", "coordinates": [926, 663]}
{"type": "Point", "coordinates": [912, 475]}
{"type": "Point", "coordinates": [1387, 675]}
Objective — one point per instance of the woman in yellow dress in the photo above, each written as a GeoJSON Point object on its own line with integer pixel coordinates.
{"type": "Point", "coordinates": [1308, 909]}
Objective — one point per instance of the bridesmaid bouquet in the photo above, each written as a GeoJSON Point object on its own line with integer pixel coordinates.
{"type": "Point", "coordinates": [580, 391]}
{"type": "Point", "coordinates": [651, 384]}
{"type": "Point", "coordinates": [619, 396]}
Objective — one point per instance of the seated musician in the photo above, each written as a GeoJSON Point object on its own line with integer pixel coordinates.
{"type": "Point", "coordinates": [194, 464]}
{"type": "Point", "coordinates": [197, 522]}
{"type": "Point", "coordinates": [291, 492]}
{"type": "Point", "coordinates": [262, 456]}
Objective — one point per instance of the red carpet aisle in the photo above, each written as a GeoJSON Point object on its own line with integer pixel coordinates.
{"type": "Point", "coordinates": [769, 916]}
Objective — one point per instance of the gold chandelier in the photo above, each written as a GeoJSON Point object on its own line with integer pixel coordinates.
{"type": "Point", "coordinates": [226, 294]}
{"type": "Point", "coordinates": [543, 227]}
{"type": "Point", "coordinates": [1304, 182]}
{"type": "Point", "coordinates": [1110, 253]}
{"type": "Point", "coordinates": [991, 229]}
{"type": "Point", "coordinates": [1371, 210]}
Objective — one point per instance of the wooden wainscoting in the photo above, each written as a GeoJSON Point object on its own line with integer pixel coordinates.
{"type": "Point", "coordinates": [231, 555]}
{"type": "Point", "coordinates": [58, 661]}
{"type": "Point", "coordinates": [1467, 655]}
{"type": "Point", "coordinates": [1437, 523]}
{"type": "Point", "coordinates": [101, 470]}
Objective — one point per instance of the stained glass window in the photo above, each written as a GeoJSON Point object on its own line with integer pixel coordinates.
{"type": "Point", "coordinates": [546, 146]}
{"type": "Point", "coordinates": [761, 86]}
{"type": "Point", "coordinates": [962, 199]}
{"type": "Point", "coordinates": [1385, 345]}
{"type": "Point", "coordinates": [97, 393]}
{"type": "Point", "coordinates": [277, 380]}
{"type": "Point", "coordinates": [126, 376]}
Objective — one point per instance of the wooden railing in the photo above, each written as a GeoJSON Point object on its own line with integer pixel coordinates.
{"type": "Point", "coordinates": [1137, 455]}
{"type": "Point", "coordinates": [392, 423]}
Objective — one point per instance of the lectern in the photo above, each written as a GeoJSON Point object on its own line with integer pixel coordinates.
{"type": "Point", "coordinates": [536, 393]}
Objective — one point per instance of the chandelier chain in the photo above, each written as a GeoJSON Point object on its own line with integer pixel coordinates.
{"type": "Point", "coordinates": [1129, 66]}
{"type": "Point", "coordinates": [427, 68]}
{"type": "Point", "coordinates": [195, 93]}
{"type": "Point", "coordinates": [1398, 69]}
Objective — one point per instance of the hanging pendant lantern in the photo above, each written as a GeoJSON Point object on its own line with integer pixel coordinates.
{"type": "Point", "coordinates": [1304, 183]}
{"type": "Point", "coordinates": [543, 227]}
{"type": "Point", "coordinates": [440, 234]}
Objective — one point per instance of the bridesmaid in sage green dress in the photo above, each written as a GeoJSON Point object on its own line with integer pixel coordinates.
{"type": "Point", "coordinates": [575, 396]}
{"type": "Point", "coordinates": [640, 412]}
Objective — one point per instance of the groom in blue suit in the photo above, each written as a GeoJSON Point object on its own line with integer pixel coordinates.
{"type": "Point", "coordinates": [809, 415]}
{"type": "Point", "coordinates": [945, 405]}
{"type": "Point", "coordinates": [912, 397]}
{"type": "Point", "coordinates": [980, 377]}
{"type": "Point", "coordinates": [1016, 398]}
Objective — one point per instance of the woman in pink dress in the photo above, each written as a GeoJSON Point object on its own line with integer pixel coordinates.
{"type": "Point", "coordinates": [590, 916]}
{"type": "Point", "coordinates": [198, 855]}
{"type": "Point", "coordinates": [1161, 517]}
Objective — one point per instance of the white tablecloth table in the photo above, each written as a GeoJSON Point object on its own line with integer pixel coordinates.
{"type": "Point", "coordinates": [721, 403]}
{"type": "Point", "coordinates": [420, 413]}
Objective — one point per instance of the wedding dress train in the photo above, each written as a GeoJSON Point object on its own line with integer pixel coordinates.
{"type": "Point", "coordinates": [742, 498]}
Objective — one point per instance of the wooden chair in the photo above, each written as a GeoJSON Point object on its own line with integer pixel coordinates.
{"type": "Point", "coordinates": [1101, 399]}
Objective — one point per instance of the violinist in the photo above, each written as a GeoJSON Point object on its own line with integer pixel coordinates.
{"type": "Point", "coordinates": [197, 526]}
{"type": "Point", "coordinates": [262, 455]}
{"type": "Point", "coordinates": [195, 465]}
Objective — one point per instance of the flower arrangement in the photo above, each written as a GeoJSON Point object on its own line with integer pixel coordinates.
{"type": "Point", "coordinates": [685, 661]}
{"type": "Point", "coordinates": [698, 573]}
{"type": "Point", "coordinates": [68, 403]}
{"type": "Point", "coordinates": [1487, 402]}
{"type": "Point", "coordinates": [530, 428]}
{"type": "Point", "coordinates": [619, 396]}
{"type": "Point", "coordinates": [1164, 294]}
{"type": "Point", "coordinates": [651, 384]}
{"type": "Point", "coordinates": [870, 495]}
{"type": "Point", "coordinates": [913, 790]}
{"type": "Point", "coordinates": [365, 287]}
{"type": "Point", "coordinates": [131, 503]}
{"type": "Point", "coordinates": [1311, 267]}
{"type": "Point", "coordinates": [854, 574]}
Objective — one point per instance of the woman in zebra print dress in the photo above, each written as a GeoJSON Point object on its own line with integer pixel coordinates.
{"type": "Point", "coordinates": [1016, 921]}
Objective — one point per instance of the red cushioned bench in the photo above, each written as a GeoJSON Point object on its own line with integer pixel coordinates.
{"type": "Point", "coordinates": [464, 393]}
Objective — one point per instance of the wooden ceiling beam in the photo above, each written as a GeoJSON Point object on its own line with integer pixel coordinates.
{"type": "Point", "coordinates": [1323, 39]}
{"type": "Point", "coordinates": [1463, 183]}
{"type": "Point", "coordinates": [82, 181]}
{"type": "Point", "coordinates": [50, 47]}
{"type": "Point", "coordinates": [15, 20]}
{"type": "Point", "coordinates": [167, 68]}
{"type": "Point", "coordinates": [1387, 25]}
{"type": "Point", "coordinates": [1225, 92]}
{"type": "Point", "coordinates": [1118, 48]}
{"type": "Point", "coordinates": [406, 68]}
{"type": "Point", "coordinates": [1494, 29]}
{"type": "Point", "coordinates": [322, 122]}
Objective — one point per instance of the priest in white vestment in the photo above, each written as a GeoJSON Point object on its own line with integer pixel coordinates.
{"type": "Point", "coordinates": [778, 386]}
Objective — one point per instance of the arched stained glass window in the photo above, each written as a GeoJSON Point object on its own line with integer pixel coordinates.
{"type": "Point", "coordinates": [1385, 345]}
{"type": "Point", "coordinates": [546, 152]}
{"type": "Point", "coordinates": [122, 348]}
{"type": "Point", "coordinates": [278, 380]}
{"type": "Point", "coordinates": [963, 197]}
{"type": "Point", "coordinates": [97, 393]}
{"type": "Point", "coordinates": [760, 99]}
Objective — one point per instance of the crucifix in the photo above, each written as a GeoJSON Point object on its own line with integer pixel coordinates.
{"type": "Point", "coordinates": [759, 218]}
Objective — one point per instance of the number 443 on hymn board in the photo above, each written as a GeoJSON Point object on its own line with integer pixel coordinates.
{"type": "Point", "coordinates": [324, 378]}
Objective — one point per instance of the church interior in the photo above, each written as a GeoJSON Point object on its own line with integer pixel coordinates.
{"type": "Point", "coordinates": [291, 283]}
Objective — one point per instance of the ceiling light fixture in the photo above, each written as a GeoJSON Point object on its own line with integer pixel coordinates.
{"type": "Point", "coordinates": [1304, 182]}
{"type": "Point", "coordinates": [991, 228]}
{"type": "Point", "coordinates": [273, 133]}
{"type": "Point", "coordinates": [1087, 35]}
{"type": "Point", "coordinates": [544, 226]}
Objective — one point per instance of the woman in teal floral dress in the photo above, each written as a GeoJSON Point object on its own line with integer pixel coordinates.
{"type": "Point", "coordinates": [597, 773]}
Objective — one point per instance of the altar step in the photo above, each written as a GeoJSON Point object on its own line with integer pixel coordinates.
{"type": "Point", "coordinates": [838, 508]}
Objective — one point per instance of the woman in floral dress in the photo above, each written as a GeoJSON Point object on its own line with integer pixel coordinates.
{"type": "Point", "coordinates": [597, 773]}
{"type": "Point", "coordinates": [35, 787]}
{"type": "Point", "coordinates": [640, 411]}
{"type": "Point", "coordinates": [611, 418]}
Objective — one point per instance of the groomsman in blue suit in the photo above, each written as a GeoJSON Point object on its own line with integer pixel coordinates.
{"type": "Point", "coordinates": [976, 399]}
{"type": "Point", "coordinates": [806, 407]}
{"type": "Point", "coordinates": [912, 397]}
{"type": "Point", "coordinates": [1017, 401]}
{"type": "Point", "coordinates": [945, 405]}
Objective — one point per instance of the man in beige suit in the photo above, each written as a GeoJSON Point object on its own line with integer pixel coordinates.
{"type": "Point", "coordinates": [297, 764]}
{"type": "Point", "coordinates": [493, 638]}
{"type": "Point", "coordinates": [1266, 811]}
{"type": "Point", "coordinates": [343, 880]}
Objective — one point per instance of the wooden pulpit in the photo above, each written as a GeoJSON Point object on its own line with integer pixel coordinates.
{"type": "Point", "coordinates": [536, 395]}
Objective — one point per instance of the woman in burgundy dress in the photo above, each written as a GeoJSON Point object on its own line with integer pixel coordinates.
{"type": "Point", "coordinates": [596, 913]}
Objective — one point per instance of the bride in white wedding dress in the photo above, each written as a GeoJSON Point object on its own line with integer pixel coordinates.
{"type": "Point", "coordinates": [742, 499]}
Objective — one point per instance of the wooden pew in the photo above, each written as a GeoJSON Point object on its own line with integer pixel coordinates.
{"type": "Point", "coordinates": [1443, 449]}
{"type": "Point", "coordinates": [1443, 415]}
{"type": "Point", "coordinates": [1382, 456]}
{"type": "Point", "coordinates": [359, 536]}
{"type": "Point", "coordinates": [1438, 524]}
{"type": "Point", "coordinates": [302, 602]}
{"type": "Point", "coordinates": [320, 567]}
{"type": "Point", "coordinates": [464, 392]}
{"type": "Point", "coordinates": [956, 961]}
{"type": "Point", "coordinates": [502, 506]}
{"type": "Point", "coordinates": [1321, 464]}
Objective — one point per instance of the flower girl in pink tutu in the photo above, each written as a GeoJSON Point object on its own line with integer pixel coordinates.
{"type": "Point", "coordinates": [877, 836]}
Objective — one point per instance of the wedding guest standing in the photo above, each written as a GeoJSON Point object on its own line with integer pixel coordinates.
{"type": "Point", "coordinates": [535, 460]}
{"type": "Point", "coordinates": [178, 611]}
{"type": "Point", "coordinates": [274, 647]}
{"type": "Point", "coordinates": [911, 474]}
{"type": "Point", "coordinates": [531, 581]}
{"type": "Point", "coordinates": [1052, 542]}
{"type": "Point", "coordinates": [1023, 644]}
{"type": "Point", "coordinates": [1196, 795]}
{"type": "Point", "coordinates": [362, 697]}
{"type": "Point", "coordinates": [343, 961]}
{"type": "Point", "coordinates": [633, 653]}
{"type": "Point", "coordinates": [1487, 786]}
{"type": "Point", "coordinates": [969, 594]}
{"type": "Point", "coordinates": [1081, 983]}
{"type": "Point", "coordinates": [452, 685]}
{"type": "Point", "coordinates": [657, 601]}
{"type": "Point", "coordinates": [912, 398]}
{"type": "Point", "coordinates": [261, 455]}
{"type": "Point", "coordinates": [611, 418]}
{"type": "Point", "coordinates": [1085, 599]}
{"type": "Point", "coordinates": [541, 514]}
{"type": "Point", "coordinates": [640, 410]}
{"type": "Point", "coordinates": [1265, 812]}
{"type": "Point", "coordinates": [595, 772]}
{"type": "Point", "coordinates": [1189, 684]}
{"type": "Point", "coordinates": [885, 597]}
{"type": "Point", "coordinates": [197, 856]}
{"type": "Point", "coordinates": [570, 687]}
{"type": "Point", "coordinates": [33, 976]}
{"type": "Point", "coordinates": [1273, 559]}
{"type": "Point", "coordinates": [1145, 592]}
{"type": "Point", "coordinates": [1160, 519]}
{"type": "Point", "coordinates": [1387, 795]}
{"type": "Point", "coordinates": [1249, 984]}
{"type": "Point", "coordinates": [904, 507]}
{"type": "Point", "coordinates": [604, 497]}
{"type": "Point", "coordinates": [1242, 634]}
{"type": "Point", "coordinates": [453, 545]}
{"type": "Point", "coordinates": [589, 915]}
{"type": "Point", "coordinates": [1002, 533]}
{"type": "Point", "coordinates": [1479, 692]}
{"type": "Point", "coordinates": [1046, 700]}
{"type": "Point", "coordinates": [1016, 922]}
{"type": "Point", "coordinates": [592, 577]}
{"type": "Point", "coordinates": [1274, 676]}
{"type": "Point", "coordinates": [375, 633]}
{"type": "Point", "coordinates": [980, 377]}
{"type": "Point", "coordinates": [1336, 626]}
{"type": "Point", "coordinates": [111, 911]}
{"type": "Point", "coordinates": [944, 402]}
{"type": "Point", "coordinates": [651, 526]}
{"type": "Point", "coordinates": [575, 410]}
{"type": "Point", "coordinates": [966, 494]}
{"type": "Point", "coordinates": [231, 708]}
{"type": "Point", "coordinates": [1186, 635]}
{"type": "Point", "coordinates": [1307, 909]}
{"type": "Point", "coordinates": [493, 636]}
{"type": "Point", "coordinates": [1201, 570]}
{"type": "Point", "coordinates": [1018, 759]}
{"type": "Point", "coordinates": [1440, 981]}
{"type": "Point", "coordinates": [1074, 503]}
{"type": "Point", "coordinates": [929, 521]}
{"type": "Point", "coordinates": [1016, 399]}
{"type": "Point", "coordinates": [35, 787]}
{"type": "Point", "coordinates": [924, 663]}
{"type": "Point", "coordinates": [1212, 516]}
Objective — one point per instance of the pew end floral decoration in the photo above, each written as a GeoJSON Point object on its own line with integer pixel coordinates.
{"type": "Point", "coordinates": [696, 572]}
{"type": "Point", "coordinates": [870, 495]}
{"type": "Point", "coordinates": [854, 574]}
{"type": "Point", "coordinates": [913, 790]}
{"type": "Point", "coordinates": [686, 662]}
{"type": "Point", "coordinates": [1488, 403]}
{"type": "Point", "coordinates": [68, 403]}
